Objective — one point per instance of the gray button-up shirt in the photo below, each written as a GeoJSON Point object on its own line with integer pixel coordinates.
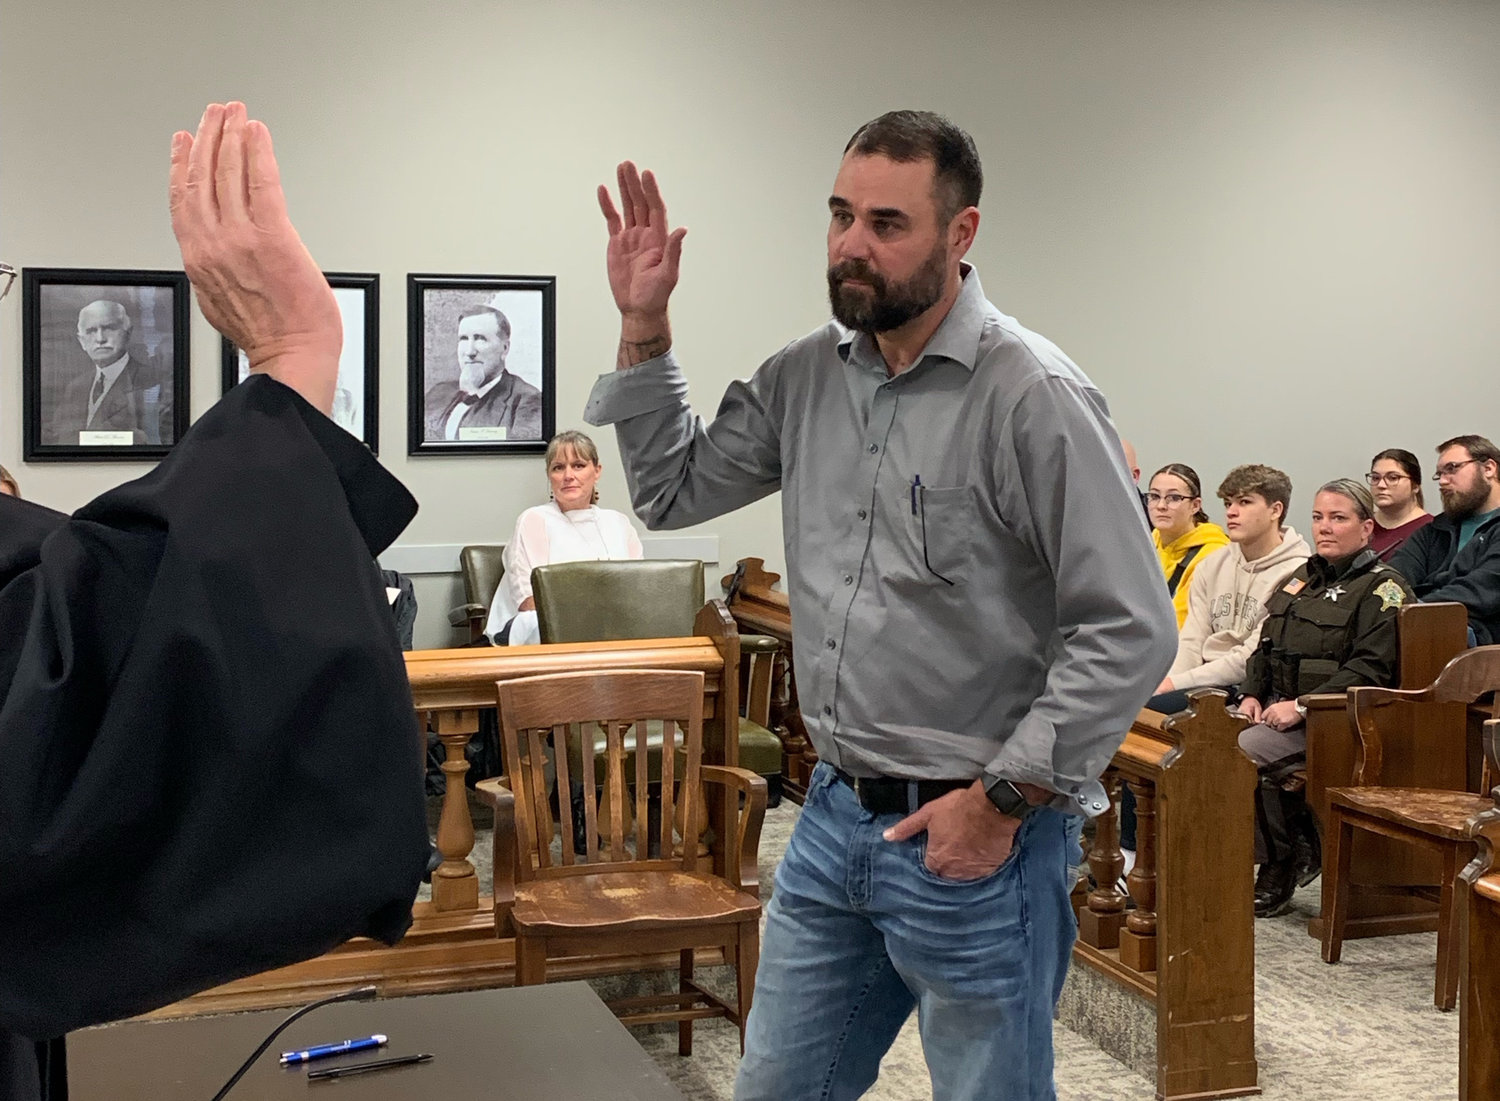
{"type": "Point", "coordinates": [970, 585]}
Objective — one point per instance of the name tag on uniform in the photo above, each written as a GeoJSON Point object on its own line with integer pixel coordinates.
{"type": "Point", "coordinates": [106, 439]}
{"type": "Point", "coordinates": [1294, 586]}
{"type": "Point", "coordinates": [478, 433]}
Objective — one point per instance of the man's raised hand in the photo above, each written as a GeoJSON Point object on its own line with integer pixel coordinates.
{"type": "Point", "coordinates": [643, 259]}
{"type": "Point", "coordinates": [256, 282]}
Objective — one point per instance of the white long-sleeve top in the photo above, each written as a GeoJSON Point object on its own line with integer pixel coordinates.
{"type": "Point", "coordinates": [546, 534]}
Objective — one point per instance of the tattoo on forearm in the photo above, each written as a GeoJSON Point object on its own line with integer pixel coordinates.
{"type": "Point", "coordinates": [638, 351]}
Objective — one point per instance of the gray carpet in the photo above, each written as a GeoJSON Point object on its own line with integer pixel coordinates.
{"type": "Point", "coordinates": [1365, 1028]}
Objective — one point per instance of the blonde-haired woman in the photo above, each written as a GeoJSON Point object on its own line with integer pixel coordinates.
{"type": "Point", "coordinates": [8, 485]}
{"type": "Point", "coordinates": [569, 528]}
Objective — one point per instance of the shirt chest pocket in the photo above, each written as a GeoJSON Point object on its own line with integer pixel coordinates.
{"type": "Point", "coordinates": [946, 521]}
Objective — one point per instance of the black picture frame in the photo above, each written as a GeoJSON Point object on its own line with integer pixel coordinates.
{"type": "Point", "coordinates": [436, 306]}
{"type": "Point", "coordinates": [356, 402]}
{"type": "Point", "coordinates": [144, 409]}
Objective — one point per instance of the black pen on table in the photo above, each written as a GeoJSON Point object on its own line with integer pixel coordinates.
{"type": "Point", "coordinates": [365, 1068]}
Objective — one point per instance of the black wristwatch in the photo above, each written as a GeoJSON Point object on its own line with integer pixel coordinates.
{"type": "Point", "coordinates": [1007, 799]}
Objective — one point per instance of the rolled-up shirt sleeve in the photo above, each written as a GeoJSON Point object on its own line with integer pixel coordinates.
{"type": "Point", "coordinates": [680, 470]}
{"type": "Point", "coordinates": [1117, 631]}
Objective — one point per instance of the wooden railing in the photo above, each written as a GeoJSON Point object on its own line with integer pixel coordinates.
{"type": "Point", "coordinates": [452, 944]}
{"type": "Point", "coordinates": [1188, 946]}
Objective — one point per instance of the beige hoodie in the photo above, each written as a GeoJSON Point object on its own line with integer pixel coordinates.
{"type": "Point", "coordinates": [1226, 606]}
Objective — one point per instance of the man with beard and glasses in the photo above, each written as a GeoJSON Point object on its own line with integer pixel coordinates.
{"type": "Point", "coordinates": [1457, 556]}
{"type": "Point", "coordinates": [976, 608]}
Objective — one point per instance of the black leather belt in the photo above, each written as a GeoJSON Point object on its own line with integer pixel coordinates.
{"type": "Point", "coordinates": [887, 795]}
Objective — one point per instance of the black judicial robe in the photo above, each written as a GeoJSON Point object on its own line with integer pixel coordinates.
{"type": "Point", "coordinates": [209, 762]}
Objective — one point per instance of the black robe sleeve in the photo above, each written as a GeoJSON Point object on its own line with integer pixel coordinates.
{"type": "Point", "coordinates": [209, 763]}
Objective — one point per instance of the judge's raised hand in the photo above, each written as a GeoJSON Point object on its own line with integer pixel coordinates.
{"type": "Point", "coordinates": [255, 280]}
{"type": "Point", "coordinates": [643, 256]}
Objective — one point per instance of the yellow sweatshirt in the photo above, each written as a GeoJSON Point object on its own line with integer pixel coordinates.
{"type": "Point", "coordinates": [1206, 537]}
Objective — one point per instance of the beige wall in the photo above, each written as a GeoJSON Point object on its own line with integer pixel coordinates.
{"type": "Point", "coordinates": [1268, 231]}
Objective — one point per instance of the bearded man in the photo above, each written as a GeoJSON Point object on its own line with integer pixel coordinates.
{"type": "Point", "coordinates": [976, 609]}
{"type": "Point", "coordinates": [1457, 556]}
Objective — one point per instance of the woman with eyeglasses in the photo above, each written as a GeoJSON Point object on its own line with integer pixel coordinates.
{"type": "Point", "coordinates": [1180, 529]}
{"type": "Point", "coordinates": [1396, 482]}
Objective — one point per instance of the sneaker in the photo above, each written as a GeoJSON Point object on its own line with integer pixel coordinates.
{"type": "Point", "coordinates": [1274, 886]}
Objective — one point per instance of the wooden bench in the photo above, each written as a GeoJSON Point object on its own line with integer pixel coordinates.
{"type": "Point", "coordinates": [1189, 946]}
{"type": "Point", "coordinates": [452, 944]}
{"type": "Point", "coordinates": [1426, 755]}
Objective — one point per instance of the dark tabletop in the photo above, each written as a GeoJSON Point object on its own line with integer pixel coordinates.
{"type": "Point", "coordinates": [556, 1042]}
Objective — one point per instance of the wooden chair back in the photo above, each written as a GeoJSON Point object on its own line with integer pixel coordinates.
{"type": "Point", "coordinates": [1467, 678]}
{"type": "Point", "coordinates": [570, 709]}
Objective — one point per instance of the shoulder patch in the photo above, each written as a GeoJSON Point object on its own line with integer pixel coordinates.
{"type": "Point", "coordinates": [1391, 595]}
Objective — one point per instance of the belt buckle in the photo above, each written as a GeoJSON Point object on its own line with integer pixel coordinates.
{"type": "Point", "coordinates": [859, 790]}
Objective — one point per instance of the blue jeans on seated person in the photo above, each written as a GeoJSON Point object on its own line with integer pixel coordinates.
{"type": "Point", "coordinates": [859, 931]}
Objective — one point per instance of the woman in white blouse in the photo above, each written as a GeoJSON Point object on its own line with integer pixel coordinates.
{"type": "Point", "coordinates": [569, 528]}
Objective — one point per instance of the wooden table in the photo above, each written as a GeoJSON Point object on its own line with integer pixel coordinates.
{"type": "Point", "coordinates": [518, 1044]}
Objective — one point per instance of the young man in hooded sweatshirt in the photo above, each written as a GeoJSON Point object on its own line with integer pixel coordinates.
{"type": "Point", "coordinates": [1227, 598]}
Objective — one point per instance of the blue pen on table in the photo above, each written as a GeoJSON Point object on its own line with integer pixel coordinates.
{"type": "Point", "coordinates": [323, 1051]}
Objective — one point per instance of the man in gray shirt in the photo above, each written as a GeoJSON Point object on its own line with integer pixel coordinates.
{"type": "Point", "coordinates": [976, 609]}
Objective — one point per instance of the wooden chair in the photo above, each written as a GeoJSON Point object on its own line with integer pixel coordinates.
{"type": "Point", "coordinates": [1431, 818]}
{"type": "Point", "coordinates": [482, 566]}
{"type": "Point", "coordinates": [654, 598]}
{"type": "Point", "coordinates": [623, 900]}
{"type": "Point", "coordinates": [1425, 755]}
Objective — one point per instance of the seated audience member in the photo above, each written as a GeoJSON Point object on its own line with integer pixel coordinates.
{"type": "Point", "coordinates": [1396, 481]}
{"type": "Point", "coordinates": [1181, 531]}
{"type": "Point", "coordinates": [1227, 597]}
{"type": "Point", "coordinates": [569, 528]}
{"type": "Point", "coordinates": [1457, 556]}
{"type": "Point", "coordinates": [8, 485]}
{"type": "Point", "coordinates": [1330, 627]}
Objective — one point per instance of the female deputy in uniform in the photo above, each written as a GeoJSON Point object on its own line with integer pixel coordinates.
{"type": "Point", "coordinates": [1330, 626]}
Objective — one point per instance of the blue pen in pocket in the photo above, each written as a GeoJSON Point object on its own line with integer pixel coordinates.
{"type": "Point", "coordinates": [323, 1051]}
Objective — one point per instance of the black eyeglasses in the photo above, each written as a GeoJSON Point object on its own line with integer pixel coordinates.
{"type": "Point", "coordinates": [1173, 499]}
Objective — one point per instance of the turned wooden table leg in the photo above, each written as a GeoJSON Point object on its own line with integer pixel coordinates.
{"type": "Point", "coordinates": [1138, 940]}
{"type": "Point", "coordinates": [455, 885]}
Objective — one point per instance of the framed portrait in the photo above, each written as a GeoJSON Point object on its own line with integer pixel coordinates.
{"type": "Point", "coordinates": [104, 363]}
{"type": "Point", "coordinates": [482, 352]}
{"type": "Point", "coordinates": [356, 395]}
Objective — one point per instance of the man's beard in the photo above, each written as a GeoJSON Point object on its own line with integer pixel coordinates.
{"type": "Point", "coordinates": [883, 307]}
{"type": "Point", "coordinates": [471, 377]}
{"type": "Point", "coordinates": [1459, 505]}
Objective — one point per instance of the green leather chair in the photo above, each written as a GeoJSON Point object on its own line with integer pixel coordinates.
{"type": "Point", "coordinates": [482, 565]}
{"type": "Point", "coordinates": [645, 598]}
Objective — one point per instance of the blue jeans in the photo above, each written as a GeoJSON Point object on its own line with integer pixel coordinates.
{"type": "Point", "coordinates": [858, 932]}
